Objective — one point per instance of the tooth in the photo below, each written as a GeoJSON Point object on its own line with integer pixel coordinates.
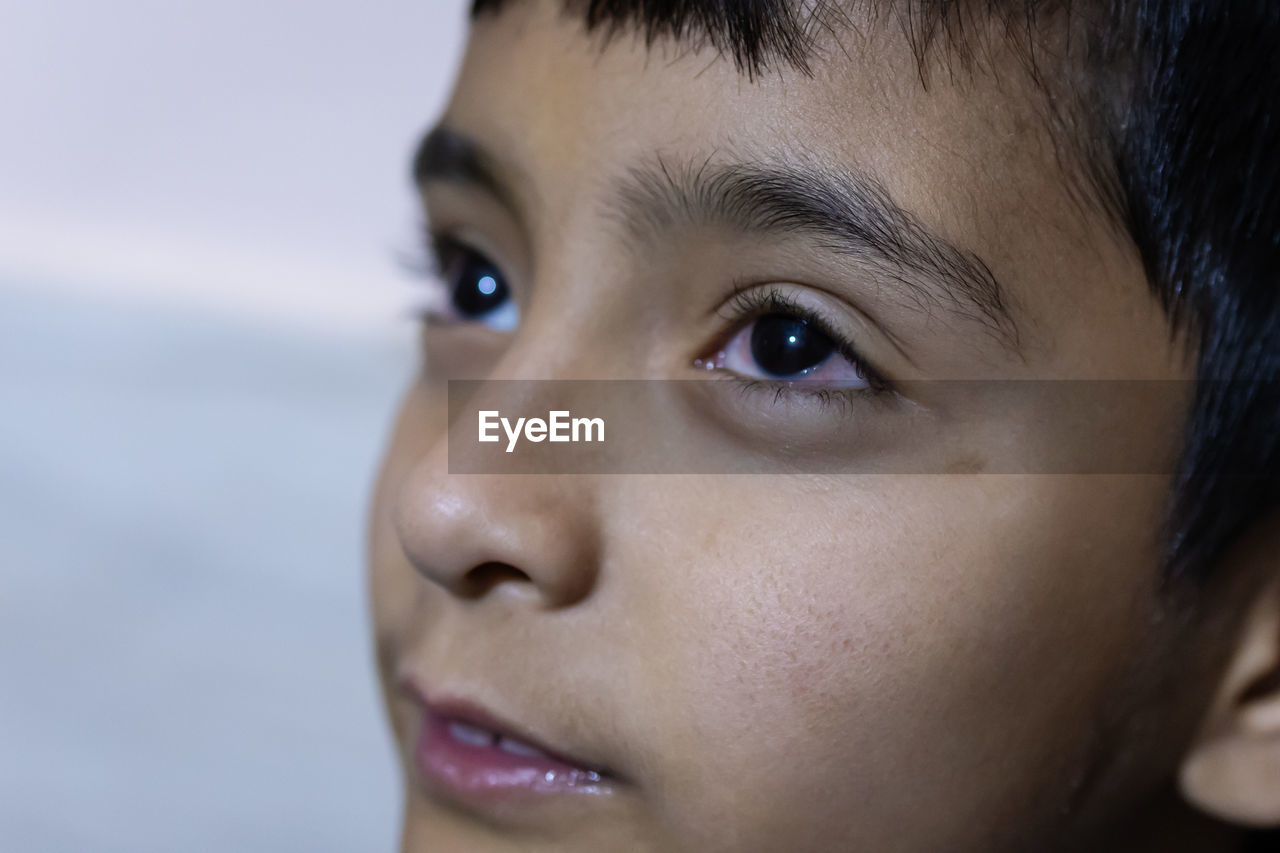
{"type": "Point", "coordinates": [515, 747]}
{"type": "Point", "coordinates": [470, 735]}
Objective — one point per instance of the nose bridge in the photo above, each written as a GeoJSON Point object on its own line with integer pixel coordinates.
{"type": "Point", "coordinates": [580, 321]}
{"type": "Point", "coordinates": [542, 526]}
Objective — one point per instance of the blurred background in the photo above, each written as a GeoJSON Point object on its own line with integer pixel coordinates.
{"type": "Point", "coordinates": [203, 331]}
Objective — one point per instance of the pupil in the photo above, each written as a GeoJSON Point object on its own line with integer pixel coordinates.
{"type": "Point", "coordinates": [480, 289]}
{"type": "Point", "coordinates": [784, 346]}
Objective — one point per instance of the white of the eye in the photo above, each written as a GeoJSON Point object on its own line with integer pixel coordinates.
{"type": "Point", "coordinates": [488, 285]}
{"type": "Point", "coordinates": [504, 318]}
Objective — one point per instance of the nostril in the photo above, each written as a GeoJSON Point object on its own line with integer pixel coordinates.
{"type": "Point", "coordinates": [484, 577]}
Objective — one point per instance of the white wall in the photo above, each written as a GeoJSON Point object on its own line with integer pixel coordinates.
{"type": "Point", "coordinates": [201, 339]}
{"type": "Point", "coordinates": [196, 150]}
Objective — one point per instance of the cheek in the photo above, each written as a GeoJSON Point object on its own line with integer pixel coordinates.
{"type": "Point", "coordinates": [888, 643]}
{"type": "Point", "coordinates": [392, 580]}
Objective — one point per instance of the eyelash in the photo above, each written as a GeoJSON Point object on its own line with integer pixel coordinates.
{"type": "Point", "coordinates": [425, 259]}
{"type": "Point", "coordinates": [747, 304]}
{"type": "Point", "coordinates": [434, 253]}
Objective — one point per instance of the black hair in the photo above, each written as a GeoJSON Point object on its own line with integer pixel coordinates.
{"type": "Point", "coordinates": [1176, 106]}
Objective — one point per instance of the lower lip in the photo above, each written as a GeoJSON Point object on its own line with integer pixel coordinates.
{"type": "Point", "coordinates": [485, 771]}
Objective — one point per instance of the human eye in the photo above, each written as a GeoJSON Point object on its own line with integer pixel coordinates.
{"type": "Point", "coordinates": [467, 287]}
{"type": "Point", "coordinates": [780, 341]}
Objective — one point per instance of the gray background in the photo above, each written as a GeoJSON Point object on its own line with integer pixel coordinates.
{"type": "Point", "coordinates": [202, 334]}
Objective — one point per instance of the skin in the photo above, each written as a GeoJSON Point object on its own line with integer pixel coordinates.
{"type": "Point", "coordinates": [964, 661]}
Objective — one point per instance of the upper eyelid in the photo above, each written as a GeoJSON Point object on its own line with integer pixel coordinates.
{"type": "Point", "coordinates": [429, 262]}
{"type": "Point", "coordinates": [881, 331]}
{"type": "Point", "coordinates": [440, 246]}
{"type": "Point", "coordinates": [470, 240]}
{"type": "Point", "coordinates": [752, 300]}
{"type": "Point", "coordinates": [746, 305]}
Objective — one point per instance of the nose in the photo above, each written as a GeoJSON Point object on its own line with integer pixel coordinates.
{"type": "Point", "coordinates": [473, 534]}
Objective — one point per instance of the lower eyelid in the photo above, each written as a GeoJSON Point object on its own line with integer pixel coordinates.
{"type": "Point", "coordinates": [435, 320]}
{"type": "Point", "coordinates": [805, 403]}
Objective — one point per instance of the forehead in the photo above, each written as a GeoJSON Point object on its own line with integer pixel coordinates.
{"type": "Point", "coordinates": [860, 99]}
{"type": "Point", "coordinates": [969, 154]}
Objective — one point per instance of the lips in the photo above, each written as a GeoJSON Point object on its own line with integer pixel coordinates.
{"type": "Point", "coordinates": [484, 738]}
{"type": "Point", "coordinates": [464, 751]}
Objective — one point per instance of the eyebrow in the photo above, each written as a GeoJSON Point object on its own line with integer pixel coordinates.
{"type": "Point", "coordinates": [844, 212]}
{"type": "Point", "coordinates": [448, 156]}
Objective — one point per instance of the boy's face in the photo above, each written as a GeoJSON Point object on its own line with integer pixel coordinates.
{"type": "Point", "coordinates": [951, 661]}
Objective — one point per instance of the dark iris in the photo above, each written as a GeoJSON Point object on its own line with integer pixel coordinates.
{"type": "Point", "coordinates": [478, 286]}
{"type": "Point", "coordinates": [784, 346]}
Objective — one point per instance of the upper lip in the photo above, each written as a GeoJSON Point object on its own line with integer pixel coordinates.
{"type": "Point", "coordinates": [471, 712]}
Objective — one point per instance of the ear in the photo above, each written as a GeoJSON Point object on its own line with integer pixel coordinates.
{"type": "Point", "coordinates": [1232, 771]}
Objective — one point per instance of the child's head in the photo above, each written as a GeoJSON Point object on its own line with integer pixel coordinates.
{"type": "Point", "coordinates": [864, 216]}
